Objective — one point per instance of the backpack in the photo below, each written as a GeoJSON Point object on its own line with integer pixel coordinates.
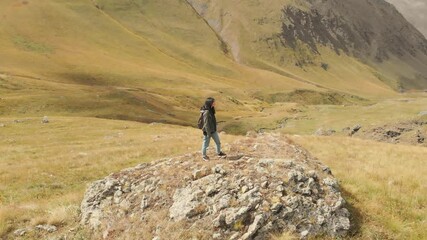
{"type": "Point", "coordinates": [200, 123]}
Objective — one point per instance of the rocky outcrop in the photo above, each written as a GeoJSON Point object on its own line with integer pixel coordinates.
{"type": "Point", "coordinates": [413, 132]}
{"type": "Point", "coordinates": [298, 32]}
{"type": "Point", "coordinates": [324, 132]}
{"type": "Point", "coordinates": [266, 186]}
{"type": "Point", "coordinates": [361, 27]}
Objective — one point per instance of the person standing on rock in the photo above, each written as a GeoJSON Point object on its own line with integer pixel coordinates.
{"type": "Point", "coordinates": [209, 128]}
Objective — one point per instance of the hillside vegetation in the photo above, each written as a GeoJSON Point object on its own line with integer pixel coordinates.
{"type": "Point", "coordinates": [47, 166]}
{"type": "Point", "coordinates": [122, 83]}
{"type": "Point", "coordinates": [142, 61]}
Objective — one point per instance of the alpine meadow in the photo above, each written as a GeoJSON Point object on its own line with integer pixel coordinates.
{"type": "Point", "coordinates": [320, 107]}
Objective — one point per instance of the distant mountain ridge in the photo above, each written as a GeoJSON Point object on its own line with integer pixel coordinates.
{"type": "Point", "coordinates": [370, 30]}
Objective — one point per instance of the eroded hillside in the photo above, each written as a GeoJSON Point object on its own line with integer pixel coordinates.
{"type": "Point", "coordinates": [302, 33]}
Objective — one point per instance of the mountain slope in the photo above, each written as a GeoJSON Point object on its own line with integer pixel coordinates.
{"type": "Point", "coordinates": [414, 11]}
{"type": "Point", "coordinates": [288, 33]}
{"type": "Point", "coordinates": [149, 60]}
{"type": "Point", "coordinates": [63, 57]}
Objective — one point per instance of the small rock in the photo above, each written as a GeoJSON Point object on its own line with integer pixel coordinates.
{"type": "Point", "coordinates": [234, 157]}
{"type": "Point", "coordinates": [322, 132]}
{"type": "Point", "coordinates": [47, 228]}
{"type": "Point", "coordinates": [392, 134]}
{"type": "Point", "coordinates": [20, 232]}
{"type": "Point", "coordinates": [280, 189]}
{"type": "Point", "coordinates": [264, 184]}
{"type": "Point", "coordinates": [224, 202]}
{"type": "Point", "coordinates": [2, 125]}
{"type": "Point", "coordinates": [185, 204]}
{"type": "Point", "coordinates": [320, 219]}
{"type": "Point", "coordinates": [210, 191]}
{"type": "Point", "coordinates": [304, 234]}
{"type": "Point", "coordinates": [295, 175]}
{"type": "Point", "coordinates": [265, 162]}
{"type": "Point", "coordinates": [235, 236]}
{"type": "Point", "coordinates": [346, 129]}
{"type": "Point", "coordinates": [327, 170]}
{"type": "Point", "coordinates": [117, 196]}
{"type": "Point", "coordinates": [312, 174]}
{"type": "Point", "coordinates": [355, 129]}
{"type": "Point", "coordinates": [288, 163]}
{"type": "Point", "coordinates": [234, 215]}
{"type": "Point", "coordinates": [253, 228]}
{"type": "Point", "coordinates": [144, 202]}
{"type": "Point", "coordinates": [219, 222]}
{"type": "Point", "coordinates": [331, 183]}
{"type": "Point", "coordinates": [200, 173]}
{"type": "Point", "coordinates": [216, 236]}
{"type": "Point", "coordinates": [106, 233]}
{"type": "Point", "coordinates": [219, 169]}
{"type": "Point", "coordinates": [158, 229]}
{"type": "Point", "coordinates": [341, 226]}
{"type": "Point", "coordinates": [275, 208]}
{"type": "Point", "coordinates": [420, 137]}
{"type": "Point", "coordinates": [45, 119]}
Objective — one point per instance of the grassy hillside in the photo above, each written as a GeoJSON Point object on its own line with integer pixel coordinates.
{"type": "Point", "coordinates": [76, 58]}
{"type": "Point", "coordinates": [47, 166]}
{"type": "Point", "coordinates": [142, 61]}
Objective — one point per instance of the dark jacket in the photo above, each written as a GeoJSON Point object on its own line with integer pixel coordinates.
{"type": "Point", "coordinates": [209, 120]}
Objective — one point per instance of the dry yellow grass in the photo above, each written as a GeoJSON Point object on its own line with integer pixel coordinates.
{"type": "Point", "coordinates": [385, 185]}
{"type": "Point", "coordinates": [45, 167]}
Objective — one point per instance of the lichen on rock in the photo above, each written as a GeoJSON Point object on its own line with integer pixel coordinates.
{"type": "Point", "coordinates": [273, 188]}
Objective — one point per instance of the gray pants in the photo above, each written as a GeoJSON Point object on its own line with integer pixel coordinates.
{"type": "Point", "coordinates": [206, 141]}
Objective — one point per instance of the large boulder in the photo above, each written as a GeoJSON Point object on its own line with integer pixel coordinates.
{"type": "Point", "coordinates": [272, 186]}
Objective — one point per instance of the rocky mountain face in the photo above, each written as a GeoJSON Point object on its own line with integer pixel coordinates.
{"type": "Point", "coordinates": [415, 11]}
{"type": "Point", "coordinates": [265, 186]}
{"type": "Point", "coordinates": [372, 31]}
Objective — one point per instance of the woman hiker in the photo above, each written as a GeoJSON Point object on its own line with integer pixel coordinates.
{"type": "Point", "coordinates": [209, 128]}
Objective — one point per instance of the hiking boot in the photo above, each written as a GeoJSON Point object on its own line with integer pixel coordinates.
{"type": "Point", "coordinates": [205, 158]}
{"type": "Point", "coordinates": [221, 154]}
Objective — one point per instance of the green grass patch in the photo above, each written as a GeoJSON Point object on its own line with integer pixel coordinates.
{"type": "Point", "coordinates": [32, 46]}
{"type": "Point", "coordinates": [310, 97]}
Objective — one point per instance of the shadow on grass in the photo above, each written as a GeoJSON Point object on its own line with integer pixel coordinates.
{"type": "Point", "coordinates": [356, 218]}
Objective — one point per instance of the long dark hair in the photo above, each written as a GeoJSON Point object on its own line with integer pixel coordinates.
{"type": "Point", "coordinates": [208, 105]}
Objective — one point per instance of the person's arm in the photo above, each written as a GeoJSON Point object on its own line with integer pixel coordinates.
{"type": "Point", "coordinates": [206, 123]}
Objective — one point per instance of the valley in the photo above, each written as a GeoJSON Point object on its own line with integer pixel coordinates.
{"type": "Point", "coordinates": [121, 83]}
